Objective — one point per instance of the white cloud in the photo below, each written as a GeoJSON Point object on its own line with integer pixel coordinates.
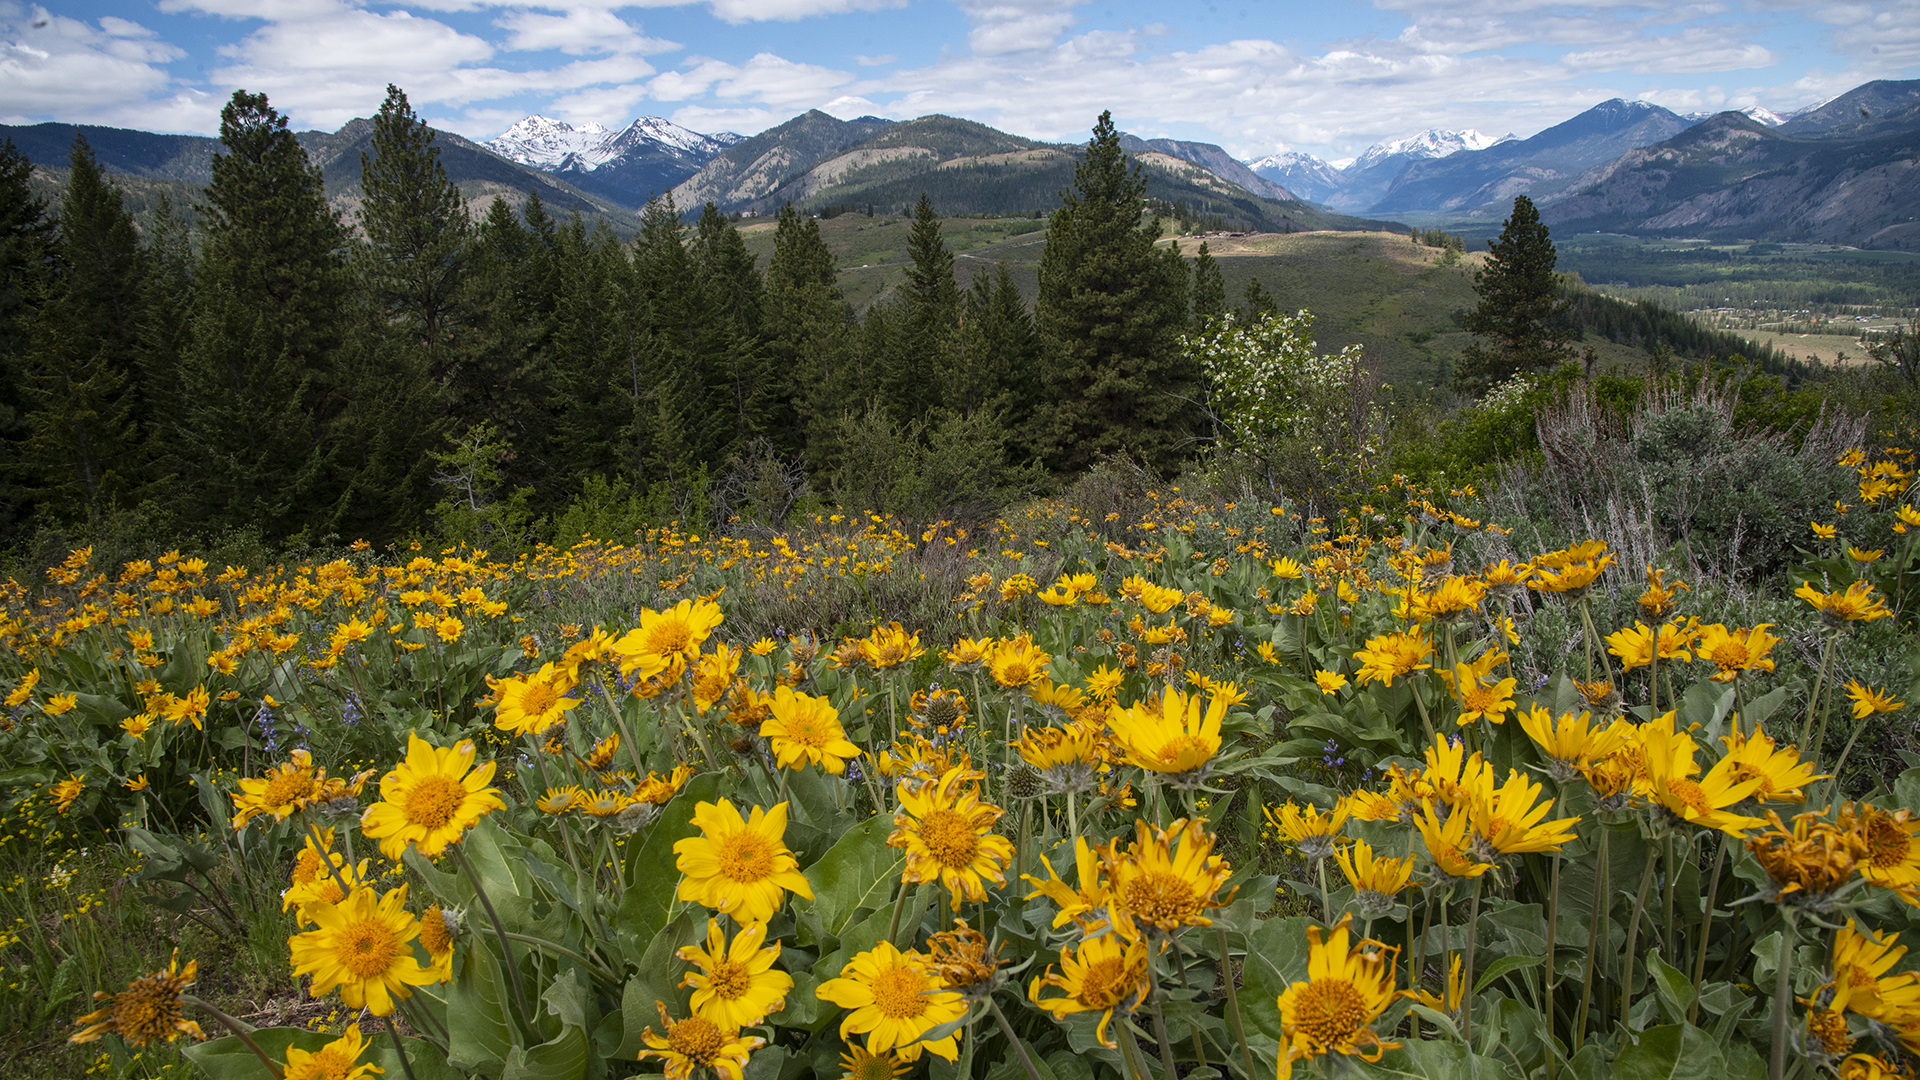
{"type": "Point", "coordinates": [112, 73]}
{"type": "Point", "coordinates": [1694, 50]}
{"type": "Point", "coordinates": [578, 31]}
{"type": "Point", "coordinates": [771, 80]}
{"type": "Point", "coordinates": [745, 11]}
{"type": "Point", "coordinates": [876, 61]}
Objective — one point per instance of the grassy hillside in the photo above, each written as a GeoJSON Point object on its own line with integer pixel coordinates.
{"type": "Point", "coordinates": [1373, 288]}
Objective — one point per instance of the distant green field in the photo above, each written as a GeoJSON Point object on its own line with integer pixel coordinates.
{"type": "Point", "coordinates": [1376, 289]}
{"type": "Point", "coordinates": [1688, 274]}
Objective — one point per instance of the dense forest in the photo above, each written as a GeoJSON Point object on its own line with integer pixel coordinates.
{"type": "Point", "coordinates": [281, 371]}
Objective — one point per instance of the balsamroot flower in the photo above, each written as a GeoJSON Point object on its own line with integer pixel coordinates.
{"type": "Point", "coordinates": [431, 799]}
{"type": "Point", "coordinates": [146, 1011]}
{"type": "Point", "coordinates": [947, 833]}
{"type": "Point", "coordinates": [1107, 972]}
{"type": "Point", "coordinates": [894, 998]}
{"type": "Point", "coordinates": [1346, 990]}
{"type": "Point", "coordinates": [364, 947]}
{"type": "Point", "coordinates": [338, 1060]}
{"type": "Point", "coordinates": [737, 985]}
{"type": "Point", "coordinates": [699, 1043]}
{"type": "Point", "coordinates": [805, 730]}
{"type": "Point", "coordinates": [740, 866]}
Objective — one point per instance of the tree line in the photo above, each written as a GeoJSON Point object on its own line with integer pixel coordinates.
{"type": "Point", "coordinates": [285, 368]}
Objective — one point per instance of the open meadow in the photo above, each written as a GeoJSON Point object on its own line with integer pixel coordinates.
{"type": "Point", "coordinates": [1136, 782]}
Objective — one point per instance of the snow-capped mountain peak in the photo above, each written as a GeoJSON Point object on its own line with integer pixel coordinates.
{"type": "Point", "coordinates": [550, 145]}
{"type": "Point", "coordinates": [1765, 115]}
{"type": "Point", "coordinates": [1432, 143]}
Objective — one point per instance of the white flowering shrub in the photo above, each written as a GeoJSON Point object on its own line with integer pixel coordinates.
{"type": "Point", "coordinates": [1268, 381]}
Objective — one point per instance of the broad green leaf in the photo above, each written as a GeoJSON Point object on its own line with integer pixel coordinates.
{"type": "Point", "coordinates": [1676, 989]}
{"type": "Point", "coordinates": [1504, 965]}
{"type": "Point", "coordinates": [1436, 1060]}
{"type": "Point", "coordinates": [229, 1059]}
{"type": "Point", "coordinates": [479, 1035]}
{"type": "Point", "coordinates": [651, 877]}
{"type": "Point", "coordinates": [1673, 1052]}
{"type": "Point", "coordinates": [562, 1058]}
{"type": "Point", "coordinates": [423, 1058]}
{"type": "Point", "coordinates": [657, 980]}
{"type": "Point", "coordinates": [860, 871]}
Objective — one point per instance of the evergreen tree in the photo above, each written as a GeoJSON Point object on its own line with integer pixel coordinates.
{"type": "Point", "coordinates": [25, 241]}
{"type": "Point", "coordinates": [919, 367]}
{"type": "Point", "coordinates": [1112, 309]}
{"type": "Point", "coordinates": [82, 363]}
{"type": "Point", "coordinates": [504, 377]}
{"type": "Point", "coordinates": [1519, 299]}
{"type": "Point", "coordinates": [1000, 362]}
{"type": "Point", "coordinates": [416, 227]}
{"type": "Point", "coordinates": [256, 382]}
{"type": "Point", "coordinates": [744, 384]}
{"type": "Point", "coordinates": [686, 352]}
{"type": "Point", "coordinates": [1257, 303]}
{"type": "Point", "coordinates": [598, 360]}
{"type": "Point", "coordinates": [808, 346]}
{"type": "Point", "coordinates": [1209, 288]}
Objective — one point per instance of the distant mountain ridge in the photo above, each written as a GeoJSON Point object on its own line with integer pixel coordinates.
{"type": "Point", "coordinates": [819, 163]}
{"type": "Point", "coordinates": [188, 159]}
{"type": "Point", "coordinates": [647, 157]}
{"type": "Point", "coordinates": [1213, 159]}
{"type": "Point", "coordinates": [1845, 172]}
{"type": "Point", "coordinates": [1303, 173]}
{"type": "Point", "coordinates": [1534, 166]}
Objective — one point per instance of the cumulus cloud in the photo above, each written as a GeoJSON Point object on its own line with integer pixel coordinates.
{"type": "Point", "coordinates": [111, 72]}
{"type": "Point", "coordinates": [578, 31]}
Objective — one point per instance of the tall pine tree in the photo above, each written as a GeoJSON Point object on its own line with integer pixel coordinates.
{"type": "Point", "coordinates": [416, 227]}
{"type": "Point", "coordinates": [25, 241]}
{"type": "Point", "coordinates": [1112, 308]}
{"type": "Point", "coordinates": [1209, 288]}
{"type": "Point", "coordinates": [809, 348]}
{"type": "Point", "coordinates": [1514, 322]}
{"type": "Point", "coordinates": [745, 389]}
{"type": "Point", "coordinates": [81, 376]}
{"type": "Point", "coordinates": [256, 378]}
{"type": "Point", "coordinates": [920, 364]}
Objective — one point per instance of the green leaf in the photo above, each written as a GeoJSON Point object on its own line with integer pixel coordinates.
{"type": "Point", "coordinates": [860, 871]}
{"type": "Point", "coordinates": [1906, 788]}
{"type": "Point", "coordinates": [1676, 989]}
{"type": "Point", "coordinates": [229, 1059]}
{"type": "Point", "coordinates": [424, 1058]}
{"type": "Point", "coordinates": [1504, 965]}
{"type": "Point", "coordinates": [1673, 1052]}
{"type": "Point", "coordinates": [1436, 1060]}
{"type": "Point", "coordinates": [658, 979]}
{"type": "Point", "coordinates": [563, 1058]}
{"type": "Point", "coordinates": [651, 877]}
{"type": "Point", "coordinates": [478, 1034]}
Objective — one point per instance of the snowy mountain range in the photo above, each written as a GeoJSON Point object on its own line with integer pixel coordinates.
{"type": "Point", "coordinates": [647, 157]}
{"type": "Point", "coordinates": [1431, 143]}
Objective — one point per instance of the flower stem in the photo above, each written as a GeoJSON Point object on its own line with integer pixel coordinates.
{"type": "Point", "coordinates": [1159, 1015]}
{"type": "Point", "coordinates": [1019, 1048]}
{"type": "Point", "coordinates": [1466, 993]}
{"type": "Point", "coordinates": [899, 905]}
{"type": "Point", "coordinates": [1633, 933]}
{"type": "Point", "coordinates": [1782, 999]}
{"type": "Point", "coordinates": [500, 932]}
{"type": "Point", "coordinates": [1598, 934]}
{"type": "Point", "coordinates": [399, 1049]}
{"type": "Point", "coordinates": [241, 1031]}
{"type": "Point", "coordinates": [1233, 1001]}
{"type": "Point", "coordinates": [1706, 928]}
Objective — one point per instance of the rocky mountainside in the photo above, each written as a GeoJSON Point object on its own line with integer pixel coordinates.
{"type": "Point", "coordinates": [1536, 166]}
{"type": "Point", "coordinates": [1213, 159]}
{"type": "Point", "coordinates": [966, 168]}
{"type": "Point", "coordinates": [647, 157]}
{"type": "Point", "coordinates": [1732, 178]}
{"type": "Point", "coordinates": [1371, 175]}
{"type": "Point", "coordinates": [1304, 174]}
{"type": "Point", "coordinates": [480, 173]}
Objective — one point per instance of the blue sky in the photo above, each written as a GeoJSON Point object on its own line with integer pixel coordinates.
{"type": "Point", "coordinates": [1255, 77]}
